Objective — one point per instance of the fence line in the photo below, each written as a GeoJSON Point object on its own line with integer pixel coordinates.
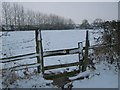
{"type": "Point", "coordinates": [40, 56]}
{"type": "Point", "coordinates": [49, 53]}
{"type": "Point", "coordinates": [45, 54]}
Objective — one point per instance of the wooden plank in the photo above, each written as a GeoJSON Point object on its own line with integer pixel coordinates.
{"type": "Point", "coordinates": [21, 67]}
{"type": "Point", "coordinates": [61, 52]}
{"type": "Point", "coordinates": [17, 59]}
{"type": "Point", "coordinates": [17, 56]}
{"type": "Point", "coordinates": [62, 65]}
{"type": "Point", "coordinates": [53, 76]}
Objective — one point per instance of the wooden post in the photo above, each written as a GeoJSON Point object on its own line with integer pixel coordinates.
{"type": "Point", "coordinates": [80, 55]}
{"type": "Point", "coordinates": [41, 50]}
{"type": "Point", "coordinates": [37, 50]}
{"type": "Point", "coordinates": [85, 61]}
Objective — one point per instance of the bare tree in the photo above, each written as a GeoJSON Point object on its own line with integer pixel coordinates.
{"type": "Point", "coordinates": [18, 16]}
{"type": "Point", "coordinates": [5, 11]}
{"type": "Point", "coordinates": [28, 14]}
{"type": "Point", "coordinates": [10, 18]}
{"type": "Point", "coordinates": [22, 17]}
{"type": "Point", "coordinates": [15, 9]}
{"type": "Point", "coordinates": [39, 20]}
{"type": "Point", "coordinates": [1, 17]}
{"type": "Point", "coordinates": [45, 19]}
{"type": "Point", "coordinates": [85, 24]}
{"type": "Point", "coordinates": [98, 23]}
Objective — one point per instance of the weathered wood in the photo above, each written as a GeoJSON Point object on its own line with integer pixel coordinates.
{"type": "Point", "coordinates": [85, 61]}
{"type": "Point", "coordinates": [62, 65]}
{"type": "Point", "coordinates": [21, 67]}
{"type": "Point", "coordinates": [81, 78]}
{"type": "Point", "coordinates": [45, 54]}
{"type": "Point", "coordinates": [18, 56]}
{"type": "Point", "coordinates": [53, 76]}
{"type": "Point", "coordinates": [17, 59]}
{"type": "Point", "coordinates": [37, 49]}
{"type": "Point", "coordinates": [80, 55]}
{"type": "Point", "coordinates": [41, 51]}
{"type": "Point", "coordinates": [61, 52]}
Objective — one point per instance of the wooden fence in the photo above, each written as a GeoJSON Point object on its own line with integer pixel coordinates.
{"type": "Point", "coordinates": [40, 57]}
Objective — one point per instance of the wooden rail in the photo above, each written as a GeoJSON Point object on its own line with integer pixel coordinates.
{"type": "Point", "coordinates": [10, 59]}
{"type": "Point", "coordinates": [61, 52]}
{"type": "Point", "coordinates": [45, 54]}
{"type": "Point", "coordinates": [21, 67]}
{"type": "Point", "coordinates": [62, 65]}
{"type": "Point", "coordinates": [18, 56]}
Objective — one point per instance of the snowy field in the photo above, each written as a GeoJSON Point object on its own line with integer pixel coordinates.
{"type": "Point", "coordinates": [19, 43]}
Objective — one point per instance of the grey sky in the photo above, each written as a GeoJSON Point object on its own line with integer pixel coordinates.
{"type": "Point", "coordinates": [77, 11]}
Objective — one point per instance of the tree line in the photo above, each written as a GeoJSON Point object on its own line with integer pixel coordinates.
{"type": "Point", "coordinates": [16, 17]}
{"type": "Point", "coordinates": [96, 24]}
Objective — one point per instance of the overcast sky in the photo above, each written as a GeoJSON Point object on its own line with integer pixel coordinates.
{"type": "Point", "coordinates": [77, 11]}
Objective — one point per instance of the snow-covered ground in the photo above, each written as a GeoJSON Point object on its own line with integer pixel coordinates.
{"type": "Point", "coordinates": [17, 43]}
{"type": "Point", "coordinates": [102, 77]}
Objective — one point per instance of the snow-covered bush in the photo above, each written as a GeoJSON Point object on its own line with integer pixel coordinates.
{"type": "Point", "coordinates": [107, 43]}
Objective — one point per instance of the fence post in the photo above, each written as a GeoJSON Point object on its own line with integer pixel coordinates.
{"type": "Point", "coordinates": [86, 60]}
{"type": "Point", "coordinates": [41, 50]}
{"type": "Point", "coordinates": [37, 50]}
{"type": "Point", "coordinates": [80, 55]}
